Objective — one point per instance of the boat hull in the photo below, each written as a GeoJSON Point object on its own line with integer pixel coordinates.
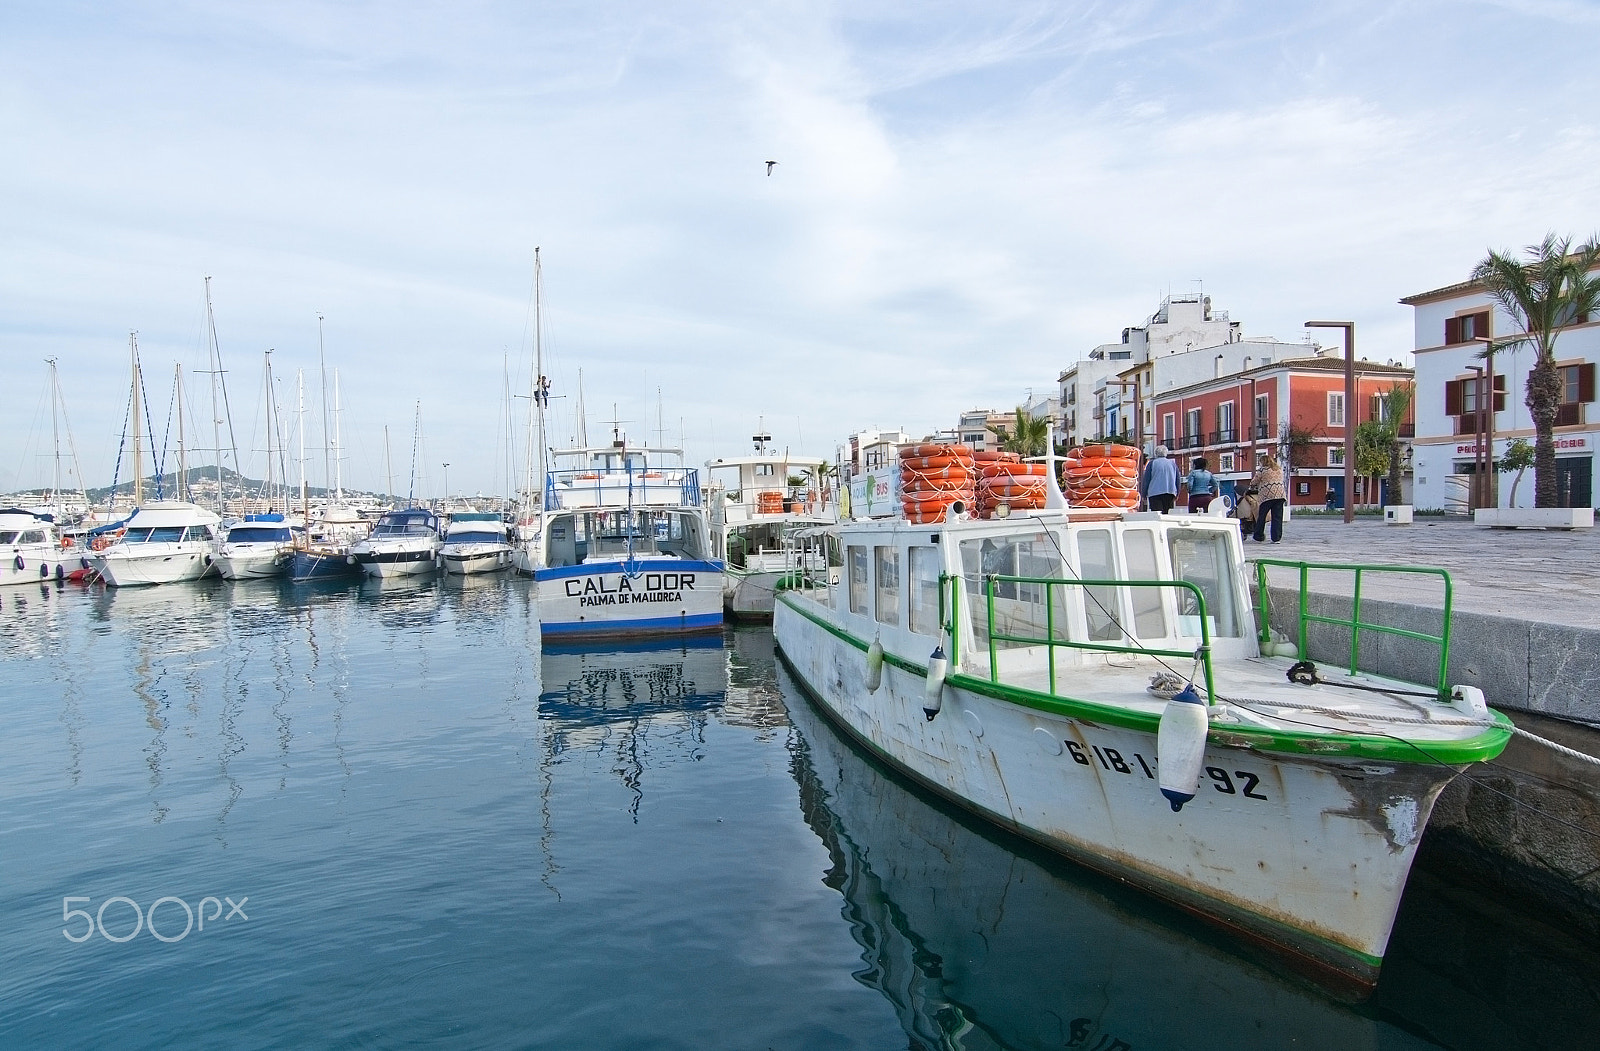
{"type": "Point", "coordinates": [467, 562]}
{"type": "Point", "coordinates": [322, 565]}
{"type": "Point", "coordinates": [653, 597]}
{"type": "Point", "coordinates": [748, 596]}
{"type": "Point", "coordinates": [251, 565]}
{"type": "Point", "coordinates": [35, 563]}
{"type": "Point", "coordinates": [397, 563]}
{"type": "Point", "coordinates": [137, 565]}
{"type": "Point", "coordinates": [1308, 854]}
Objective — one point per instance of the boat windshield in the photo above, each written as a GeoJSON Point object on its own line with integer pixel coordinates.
{"type": "Point", "coordinates": [153, 535]}
{"type": "Point", "coordinates": [1204, 560]}
{"type": "Point", "coordinates": [477, 537]}
{"type": "Point", "coordinates": [1019, 609]}
{"type": "Point", "coordinates": [404, 525]}
{"type": "Point", "coordinates": [259, 535]}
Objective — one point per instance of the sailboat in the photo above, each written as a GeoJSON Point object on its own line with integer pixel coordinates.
{"type": "Point", "coordinates": [403, 542]}
{"type": "Point", "coordinates": [163, 541]}
{"type": "Point", "coordinates": [323, 552]}
{"type": "Point", "coordinates": [261, 545]}
{"type": "Point", "coordinates": [32, 542]}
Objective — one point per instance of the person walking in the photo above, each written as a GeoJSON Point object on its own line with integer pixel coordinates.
{"type": "Point", "coordinates": [1268, 483]}
{"type": "Point", "coordinates": [1201, 484]}
{"type": "Point", "coordinates": [1161, 481]}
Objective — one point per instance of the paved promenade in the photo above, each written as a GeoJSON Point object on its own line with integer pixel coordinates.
{"type": "Point", "coordinates": [1537, 575]}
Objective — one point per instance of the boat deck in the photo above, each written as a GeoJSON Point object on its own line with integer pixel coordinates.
{"type": "Point", "coordinates": [1256, 694]}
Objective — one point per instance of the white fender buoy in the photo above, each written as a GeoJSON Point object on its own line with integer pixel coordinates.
{"type": "Point", "coordinates": [933, 689]}
{"type": "Point", "coordinates": [1181, 746]}
{"type": "Point", "coordinates": [874, 666]}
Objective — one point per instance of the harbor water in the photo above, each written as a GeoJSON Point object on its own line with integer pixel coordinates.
{"type": "Point", "coordinates": [332, 815]}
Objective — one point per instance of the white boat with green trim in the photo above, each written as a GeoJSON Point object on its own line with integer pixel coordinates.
{"type": "Point", "coordinates": [1027, 668]}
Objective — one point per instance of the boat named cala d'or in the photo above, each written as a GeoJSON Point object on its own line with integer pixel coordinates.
{"type": "Point", "coordinates": [475, 542]}
{"type": "Point", "coordinates": [163, 542]}
{"type": "Point", "coordinates": [756, 516]}
{"type": "Point", "coordinates": [34, 549]}
{"type": "Point", "coordinates": [402, 543]}
{"type": "Point", "coordinates": [257, 547]}
{"type": "Point", "coordinates": [622, 546]}
{"type": "Point", "coordinates": [1094, 679]}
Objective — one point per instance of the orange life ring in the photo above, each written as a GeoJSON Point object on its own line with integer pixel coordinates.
{"type": "Point", "coordinates": [934, 496]}
{"type": "Point", "coordinates": [926, 517]}
{"type": "Point", "coordinates": [1110, 452]}
{"type": "Point", "coordinates": [1012, 470]}
{"type": "Point", "coordinates": [995, 456]}
{"type": "Point", "coordinates": [1007, 490]}
{"type": "Point", "coordinates": [925, 462]}
{"type": "Point", "coordinates": [911, 479]}
{"type": "Point", "coordinates": [936, 449]}
{"type": "Point", "coordinates": [66, 542]}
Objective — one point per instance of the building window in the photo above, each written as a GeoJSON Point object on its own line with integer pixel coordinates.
{"type": "Point", "coordinates": [1466, 328]}
{"type": "Point", "coordinates": [1225, 430]}
{"type": "Point", "coordinates": [1577, 387]}
{"type": "Point", "coordinates": [1335, 408]}
{"type": "Point", "coordinates": [1335, 456]}
{"type": "Point", "coordinates": [1191, 428]}
{"type": "Point", "coordinates": [1169, 427]}
{"type": "Point", "coordinates": [1225, 463]}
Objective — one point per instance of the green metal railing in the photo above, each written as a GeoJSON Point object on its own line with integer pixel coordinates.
{"type": "Point", "coordinates": [1305, 618]}
{"type": "Point", "coordinates": [949, 617]}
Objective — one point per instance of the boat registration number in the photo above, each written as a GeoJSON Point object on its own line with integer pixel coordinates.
{"type": "Point", "coordinates": [1238, 782]}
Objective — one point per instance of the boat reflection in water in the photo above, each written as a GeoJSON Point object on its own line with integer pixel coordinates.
{"type": "Point", "coordinates": [984, 943]}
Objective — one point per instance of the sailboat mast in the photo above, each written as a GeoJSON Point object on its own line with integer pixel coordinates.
{"type": "Point", "coordinates": [181, 489]}
{"type": "Point", "coordinates": [300, 417]}
{"type": "Point", "coordinates": [338, 470]}
{"type": "Point", "coordinates": [388, 467]}
{"type": "Point", "coordinates": [55, 433]}
{"type": "Point", "coordinates": [322, 365]}
{"type": "Point", "coordinates": [219, 379]}
{"type": "Point", "coordinates": [542, 393]}
{"type": "Point", "coordinates": [138, 449]}
{"type": "Point", "coordinates": [416, 441]}
{"type": "Point", "coordinates": [272, 425]}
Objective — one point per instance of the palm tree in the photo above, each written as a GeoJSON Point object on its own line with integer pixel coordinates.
{"type": "Point", "coordinates": [1030, 436]}
{"type": "Point", "coordinates": [1552, 289]}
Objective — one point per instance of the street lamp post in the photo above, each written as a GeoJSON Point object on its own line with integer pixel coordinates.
{"type": "Point", "coordinates": [1479, 469]}
{"type": "Point", "coordinates": [1349, 412]}
{"type": "Point", "coordinates": [1492, 486]}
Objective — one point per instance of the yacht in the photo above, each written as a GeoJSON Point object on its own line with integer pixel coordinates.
{"type": "Point", "coordinates": [34, 548]}
{"type": "Point", "coordinates": [402, 543]}
{"type": "Point", "coordinates": [257, 546]}
{"type": "Point", "coordinates": [163, 542]}
{"type": "Point", "coordinates": [475, 542]}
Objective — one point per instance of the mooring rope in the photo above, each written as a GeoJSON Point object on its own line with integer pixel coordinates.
{"type": "Point", "coordinates": [1166, 684]}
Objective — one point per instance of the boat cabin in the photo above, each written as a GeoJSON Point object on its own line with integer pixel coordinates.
{"type": "Point", "coordinates": [1055, 589]}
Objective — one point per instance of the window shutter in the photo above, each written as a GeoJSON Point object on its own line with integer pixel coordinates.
{"type": "Point", "coordinates": [1480, 324]}
{"type": "Point", "coordinates": [1452, 398]}
{"type": "Point", "coordinates": [1586, 381]}
{"type": "Point", "coordinates": [1452, 330]}
{"type": "Point", "coordinates": [1500, 393]}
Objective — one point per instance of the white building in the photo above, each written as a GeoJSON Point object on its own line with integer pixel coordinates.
{"type": "Point", "coordinates": [1452, 384]}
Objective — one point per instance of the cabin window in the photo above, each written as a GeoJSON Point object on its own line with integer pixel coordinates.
{"type": "Point", "coordinates": [1139, 545]}
{"type": "Point", "coordinates": [1202, 558]}
{"type": "Point", "coordinates": [8, 536]}
{"type": "Point", "coordinates": [198, 533]}
{"type": "Point", "coordinates": [33, 536]}
{"type": "Point", "coordinates": [1019, 608]}
{"type": "Point", "coordinates": [1097, 562]}
{"type": "Point", "coordinates": [886, 589]}
{"type": "Point", "coordinates": [857, 557]}
{"type": "Point", "coordinates": [923, 590]}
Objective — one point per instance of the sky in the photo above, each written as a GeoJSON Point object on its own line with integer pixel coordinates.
{"type": "Point", "coordinates": [969, 198]}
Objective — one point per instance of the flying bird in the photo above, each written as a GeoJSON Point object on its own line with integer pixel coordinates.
{"type": "Point", "coordinates": [769, 166]}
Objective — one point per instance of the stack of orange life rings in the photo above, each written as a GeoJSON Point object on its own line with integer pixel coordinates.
{"type": "Point", "coordinates": [1004, 478]}
{"type": "Point", "coordinates": [933, 476]}
{"type": "Point", "coordinates": [770, 503]}
{"type": "Point", "coordinates": [1103, 476]}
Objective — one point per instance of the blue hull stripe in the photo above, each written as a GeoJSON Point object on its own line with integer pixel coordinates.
{"type": "Point", "coordinates": [698, 622]}
{"type": "Point", "coordinates": [654, 565]}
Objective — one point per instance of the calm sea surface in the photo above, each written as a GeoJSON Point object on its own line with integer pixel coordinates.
{"type": "Point", "coordinates": [292, 816]}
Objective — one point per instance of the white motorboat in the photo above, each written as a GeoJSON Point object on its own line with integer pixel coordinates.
{"type": "Point", "coordinates": [475, 542]}
{"type": "Point", "coordinates": [258, 546]}
{"type": "Point", "coordinates": [622, 546]}
{"type": "Point", "coordinates": [759, 504]}
{"type": "Point", "coordinates": [34, 549]}
{"type": "Point", "coordinates": [163, 542]}
{"type": "Point", "coordinates": [1094, 680]}
{"type": "Point", "coordinates": [402, 543]}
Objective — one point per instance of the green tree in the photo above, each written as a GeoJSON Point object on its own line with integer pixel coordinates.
{"type": "Point", "coordinates": [1378, 444]}
{"type": "Point", "coordinates": [1029, 436]}
{"type": "Point", "coordinates": [1554, 288]}
{"type": "Point", "coordinates": [1518, 457]}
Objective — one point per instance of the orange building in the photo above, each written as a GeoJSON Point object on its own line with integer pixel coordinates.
{"type": "Point", "coordinates": [1295, 406]}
